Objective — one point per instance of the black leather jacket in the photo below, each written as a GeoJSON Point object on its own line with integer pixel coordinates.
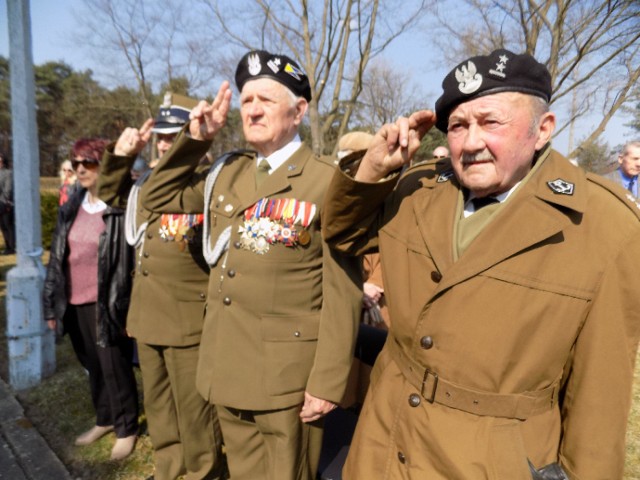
{"type": "Point", "coordinates": [115, 264]}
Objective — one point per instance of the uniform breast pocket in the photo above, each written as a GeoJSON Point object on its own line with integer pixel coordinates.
{"type": "Point", "coordinates": [289, 344]}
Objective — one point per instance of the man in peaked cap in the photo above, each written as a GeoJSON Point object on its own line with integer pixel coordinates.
{"type": "Point", "coordinates": [515, 324]}
{"type": "Point", "coordinates": [174, 113]}
{"type": "Point", "coordinates": [282, 307]}
{"type": "Point", "coordinates": [167, 304]}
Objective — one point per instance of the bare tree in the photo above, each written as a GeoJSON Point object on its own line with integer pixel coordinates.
{"type": "Point", "coordinates": [387, 92]}
{"type": "Point", "coordinates": [155, 42]}
{"type": "Point", "coordinates": [334, 41]}
{"type": "Point", "coordinates": [591, 47]}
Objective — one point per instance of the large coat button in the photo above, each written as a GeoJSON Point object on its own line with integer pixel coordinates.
{"type": "Point", "coordinates": [145, 254]}
{"type": "Point", "coordinates": [436, 276]}
{"type": "Point", "coordinates": [401, 457]}
{"type": "Point", "coordinates": [145, 273]}
{"type": "Point", "coordinates": [426, 342]}
{"type": "Point", "coordinates": [226, 301]}
{"type": "Point", "coordinates": [231, 273]}
{"type": "Point", "coordinates": [237, 245]}
{"type": "Point", "coordinates": [414, 399]}
{"type": "Point", "coordinates": [203, 295]}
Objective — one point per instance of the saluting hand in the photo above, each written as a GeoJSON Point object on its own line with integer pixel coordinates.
{"type": "Point", "coordinates": [315, 408]}
{"type": "Point", "coordinates": [208, 119]}
{"type": "Point", "coordinates": [133, 140]}
{"type": "Point", "coordinates": [394, 145]}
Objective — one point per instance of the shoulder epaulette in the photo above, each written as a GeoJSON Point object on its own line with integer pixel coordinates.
{"type": "Point", "coordinates": [327, 159]}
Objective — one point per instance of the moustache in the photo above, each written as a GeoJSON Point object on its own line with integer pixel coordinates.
{"type": "Point", "coordinates": [468, 158]}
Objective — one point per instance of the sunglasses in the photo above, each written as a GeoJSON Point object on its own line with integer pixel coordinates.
{"type": "Point", "coordinates": [85, 162]}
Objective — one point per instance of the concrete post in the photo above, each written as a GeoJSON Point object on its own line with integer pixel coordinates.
{"type": "Point", "coordinates": [31, 345]}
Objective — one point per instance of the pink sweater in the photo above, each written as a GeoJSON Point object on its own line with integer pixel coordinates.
{"type": "Point", "coordinates": [82, 280]}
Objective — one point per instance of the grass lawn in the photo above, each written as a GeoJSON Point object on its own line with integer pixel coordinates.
{"type": "Point", "coordinates": [60, 407]}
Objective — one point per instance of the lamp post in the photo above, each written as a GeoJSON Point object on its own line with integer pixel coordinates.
{"type": "Point", "coordinates": [31, 345]}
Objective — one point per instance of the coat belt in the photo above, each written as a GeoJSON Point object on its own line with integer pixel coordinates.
{"type": "Point", "coordinates": [434, 388]}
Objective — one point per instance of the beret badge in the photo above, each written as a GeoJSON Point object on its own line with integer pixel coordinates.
{"type": "Point", "coordinates": [468, 77]}
{"type": "Point", "coordinates": [253, 64]}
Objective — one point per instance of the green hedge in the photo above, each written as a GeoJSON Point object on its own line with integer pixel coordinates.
{"type": "Point", "coordinates": [49, 216]}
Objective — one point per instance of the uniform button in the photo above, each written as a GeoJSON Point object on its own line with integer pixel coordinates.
{"type": "Point", "coordinates": [426, 342]}
{"type": "Point", "coordinates": [296, 333]}
{"type": "Point", "coordinates": [145, 273]}
{"type": "Point", "coordinates": [231, 273]}
{"type": "Point", "coordinates": [436, 276]}
{"type": "Point", "coordinates": [401, 457]}
{"type": "Point", "coordinates": [149, 235]}
{"type": "Point", "coordinates": [226, 301]}
{"type": "Point", "coordinates": [145, 254]}
{"type": "Point", "coordinates": [202, 295]}
{"type": "Point", "coordinates": [237, 245]}
{"type": "Point", "coordinates": [414, 399]}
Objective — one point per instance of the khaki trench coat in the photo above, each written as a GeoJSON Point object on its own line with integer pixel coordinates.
{"type": "Point", "coordinates": [277, 323]}
{"type": "Point", "coordinates": [521, 349]}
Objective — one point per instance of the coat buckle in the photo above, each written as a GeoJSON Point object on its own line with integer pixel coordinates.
{"type": "Point", "coordinates": [429, 382]}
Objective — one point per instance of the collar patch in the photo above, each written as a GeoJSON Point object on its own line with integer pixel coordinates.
{"type": "Point", "coordinates": [445, 176]}
{"type": "Point", "coordinates": [561, 187]}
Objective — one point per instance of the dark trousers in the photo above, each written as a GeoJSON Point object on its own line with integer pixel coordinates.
{"type": "Point", "coordinates": [113, 385]}
{"type": "Point", "coordinates": [8, 227]}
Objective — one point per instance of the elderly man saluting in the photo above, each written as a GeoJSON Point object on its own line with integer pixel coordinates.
{"type": "Point", "coordinates": [282, 307]}
{"type": "Point", "coordinates": [512, 280]}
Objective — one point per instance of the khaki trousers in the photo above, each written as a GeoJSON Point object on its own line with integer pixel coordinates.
{"type": "Point", "coordinates": [270, 445]}
{"type": "Point", "coordinates": [183, 427]}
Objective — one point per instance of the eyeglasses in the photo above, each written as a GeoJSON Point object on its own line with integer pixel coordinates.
{"type": "Point", "coordinates": [85, 162]}
{"type": "Point", "coordinates": [439, 156]}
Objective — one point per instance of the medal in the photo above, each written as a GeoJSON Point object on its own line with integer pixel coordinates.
{"type": "Point", "coordinates": [304, 237]}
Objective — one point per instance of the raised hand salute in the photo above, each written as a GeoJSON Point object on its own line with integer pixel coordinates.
{"type": "Point", "coordinates": [208, 119]}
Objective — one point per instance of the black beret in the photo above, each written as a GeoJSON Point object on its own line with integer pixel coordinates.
{"type": "Point", "coordinates": [282, 69]}
{"type": "Point", "coordinates": [174, 113]}
{"type": "Point", "coordinates": [500, 71]}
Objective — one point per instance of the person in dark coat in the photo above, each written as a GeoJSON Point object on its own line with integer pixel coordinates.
{"type": "Point", "coordinates": [86, 294]}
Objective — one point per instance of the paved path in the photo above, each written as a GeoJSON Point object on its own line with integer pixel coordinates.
{"type": "Point", "coordinates": [24, 454]}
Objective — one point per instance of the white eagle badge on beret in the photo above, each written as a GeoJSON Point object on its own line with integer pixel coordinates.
{"type": "Point", "coordinates": [469, 78]}
{"type": "Point", "coordinates": [253, 64]}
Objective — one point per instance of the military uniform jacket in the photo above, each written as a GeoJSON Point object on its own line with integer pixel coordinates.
{"type": "Point", "coordinates": [170, 280]}
{"type": "Point", "coordinates": [521, 349]}
{"type": "Point", "coordinates": [276, 323]}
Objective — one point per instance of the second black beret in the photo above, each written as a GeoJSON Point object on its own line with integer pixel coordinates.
{"type": "Point", "coordinates": [500, 71]}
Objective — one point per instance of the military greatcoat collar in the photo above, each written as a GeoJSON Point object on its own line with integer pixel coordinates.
{"type": "Point", "coordinates": [541, 208]}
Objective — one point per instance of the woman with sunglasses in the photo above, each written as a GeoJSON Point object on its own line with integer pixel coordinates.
{"type": "Point", "coordinates": [86, 294]}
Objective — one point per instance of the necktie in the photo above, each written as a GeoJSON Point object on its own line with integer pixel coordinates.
{"type": "Point", "coordinates": [262, 172]}
{"type": "Point", "coordinates": [631, 184]}
{"type": "Point", "coordinates": [478, 203]}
